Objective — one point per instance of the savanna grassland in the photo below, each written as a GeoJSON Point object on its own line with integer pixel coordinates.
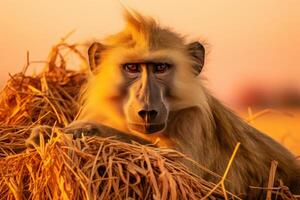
{"type": "Point", "coordinates": [281, 124]}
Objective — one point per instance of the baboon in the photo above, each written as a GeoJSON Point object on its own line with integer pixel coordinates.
{"type": "Point", "coordinates": [145, 84]}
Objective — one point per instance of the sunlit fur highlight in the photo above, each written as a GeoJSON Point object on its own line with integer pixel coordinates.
{"type": "Point", "coordinates": [198, 125]}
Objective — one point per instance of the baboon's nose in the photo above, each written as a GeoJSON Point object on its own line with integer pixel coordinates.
{"type": "Point", "coordinates": [148, 115]}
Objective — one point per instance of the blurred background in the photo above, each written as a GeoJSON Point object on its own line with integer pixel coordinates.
{"type": "Point", "coordinates": [254, 46]}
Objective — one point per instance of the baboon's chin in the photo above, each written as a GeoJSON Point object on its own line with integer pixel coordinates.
{"type": "Point", "coordinates": [147, 128]}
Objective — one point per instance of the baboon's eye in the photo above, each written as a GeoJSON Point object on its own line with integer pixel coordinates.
{"type": "Point", "coordinates": [132, 67]}
{"type": "Point", "coordinates": [161, 67]}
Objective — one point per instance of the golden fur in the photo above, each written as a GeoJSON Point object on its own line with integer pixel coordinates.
{"type": "Point", "coordinates": [198, 124]}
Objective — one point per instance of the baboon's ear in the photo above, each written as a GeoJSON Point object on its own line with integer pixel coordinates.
{"type": "Point", "coordinates": [197, 52]}
{"type": "Point", "coordinates": [95, 55]}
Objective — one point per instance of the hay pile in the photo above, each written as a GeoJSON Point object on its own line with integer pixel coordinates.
{"type": "Point", "coordinates": [85, 168]}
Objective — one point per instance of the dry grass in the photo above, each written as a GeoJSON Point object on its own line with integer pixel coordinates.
{"type": "Point", "coordinates": [89, 167]}
{"type": "Point", "coordinates": [98, 168]}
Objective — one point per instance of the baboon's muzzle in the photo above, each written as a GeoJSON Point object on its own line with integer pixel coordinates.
{"type": "Point", "coordinates": [150, 121]}
{"type": "Point", "coordinates": [151, 118]}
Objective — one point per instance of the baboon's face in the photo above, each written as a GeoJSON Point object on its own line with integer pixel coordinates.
{"type": "Point", "coordinates": [146, 107]}
{"type": "Point", "coordinates": [141, 85]}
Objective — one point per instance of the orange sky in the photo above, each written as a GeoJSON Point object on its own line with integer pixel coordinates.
{"type": "Point", "coordinates": [249, 40]}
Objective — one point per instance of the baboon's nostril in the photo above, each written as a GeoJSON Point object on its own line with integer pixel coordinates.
{"type": "Point", "coordinates": [148, 115]}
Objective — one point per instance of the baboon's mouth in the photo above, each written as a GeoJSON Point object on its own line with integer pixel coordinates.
{"type": "Point", "coordinates": [147, 128]}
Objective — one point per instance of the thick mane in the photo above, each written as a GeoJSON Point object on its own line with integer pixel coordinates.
{"type": "Point", "coordinates": [139, 25]}
{"type": "Point", "coordinates": [144, 32]}
{"type": "Point", "coordinates": [214, 140]}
